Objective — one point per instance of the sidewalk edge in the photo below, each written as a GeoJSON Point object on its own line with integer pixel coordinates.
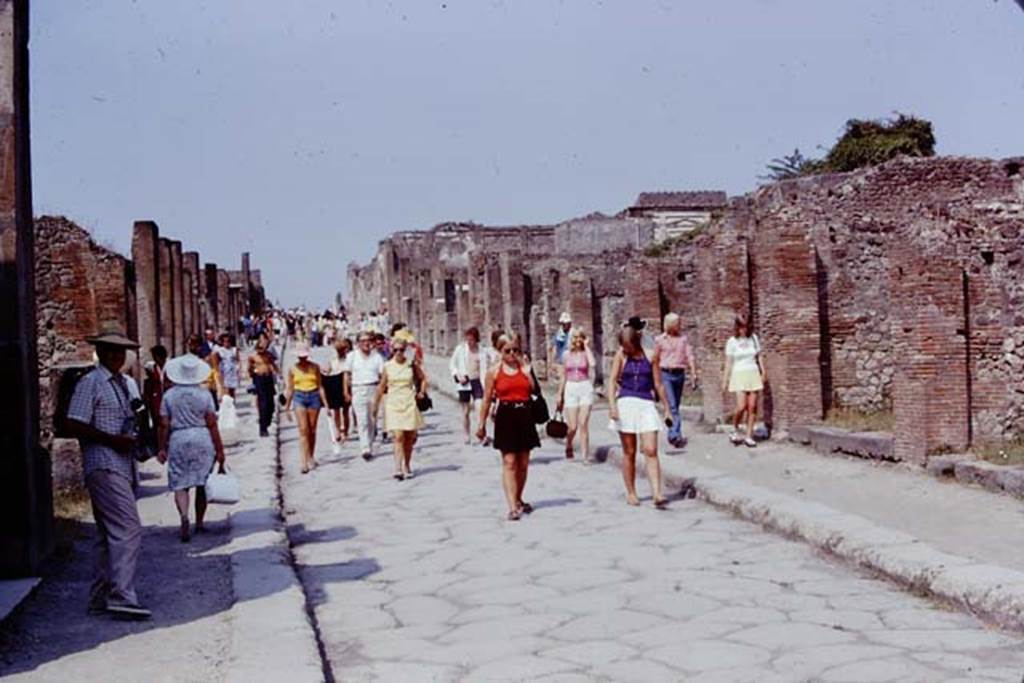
{"type": "Point", "coordinates": [991, 593]}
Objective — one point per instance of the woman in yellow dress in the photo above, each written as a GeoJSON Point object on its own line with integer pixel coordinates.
{"type": "Point", "coordinates": [403, 381]}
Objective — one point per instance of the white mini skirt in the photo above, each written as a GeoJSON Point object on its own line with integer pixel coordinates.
{"type": "Point", "coordinates": [636, 416]}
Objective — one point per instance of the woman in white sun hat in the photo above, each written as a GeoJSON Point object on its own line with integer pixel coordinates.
{"type": "Point", "coordinates": [188, 438]}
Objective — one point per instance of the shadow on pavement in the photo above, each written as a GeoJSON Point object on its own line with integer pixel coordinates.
{"type": "Point", "coordinates": [437, 468]}
{"type": "Point", "coordinates": [316, 576]}
{"type": "Point", "coordinates": [182, 583]}
{"type": "Point", "coordinates": [556, 503]}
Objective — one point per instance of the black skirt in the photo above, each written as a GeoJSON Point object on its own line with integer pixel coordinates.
{"type": "Point", "coordinates": [514, 428]}
{"type": "Point", "coordinates": [335, 389]}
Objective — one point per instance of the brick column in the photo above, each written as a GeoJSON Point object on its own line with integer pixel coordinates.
{"type": "Point", "coordinates": [166, 295]}
{"type": "Point", "coordinates": [224, 313]}
{"type": "Point", "coordinates": [722, 290]}
{"type": "Point", "coordinates": [213, 303]}
{"type": "Point", "coordinates": [930, 380]}
{"type": "Point", "coordinates": [246, 284]}
{"type": "Point", "coordinates": [178, 298]}
{"type": "Point", "coordinates": [194, 315]}
{"type": "Point", "coordinates": [146, 257]}
{"type": "Point", "coordinates": [26, 509]}
{"type": "Point", "coordinates": [786, 283]}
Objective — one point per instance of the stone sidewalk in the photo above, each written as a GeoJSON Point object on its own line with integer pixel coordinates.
{"type": "Point", "coordinates": [226, 606]}
{"type": "Point", "coordinates": [424, 580]}
{"type": "Point", "coordinates": [937, 537]}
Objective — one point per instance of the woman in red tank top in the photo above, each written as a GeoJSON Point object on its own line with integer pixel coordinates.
{"type": "Point", "coordinates": [510, 383]}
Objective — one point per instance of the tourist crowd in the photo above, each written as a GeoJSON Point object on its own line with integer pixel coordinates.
{"type": "Point", "coordinates": [377, 378]}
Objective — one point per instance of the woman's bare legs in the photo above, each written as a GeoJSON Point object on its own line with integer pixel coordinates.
{"type": "Point", "coordinates": [410, 441]}
{"type": "Point", "coordinates": [302, 424]}
{"type": "Point", "coordinates": [741, 407]}
{"type": "Point", "coordinates": [399, 440]}
{"type": "Point", "coordinates": [583, 427]}
{"type": "Point", "coordinates": [200, 508]}
{"type": "Point", "coordinates": [509, 480]}
{"type": "Point", "coordinates": [629, 466]}
{"type": "Point", "coordinates": [572, 420]}
{"type": "Point", "coordinates": [522, 469]}
{"type": "Point", "coordinates": [649, 446]}
{"type": "Point", "coordinates": [313, 417]}
{"type": "Point", "coordinates": [751, 402]}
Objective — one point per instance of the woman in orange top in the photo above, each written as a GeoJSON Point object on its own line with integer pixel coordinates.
{"type": "Point", "coordinates": [511, 383]}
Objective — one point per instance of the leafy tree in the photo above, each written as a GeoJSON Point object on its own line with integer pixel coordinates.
{"type": "Point", "coordinates": [864, 142]}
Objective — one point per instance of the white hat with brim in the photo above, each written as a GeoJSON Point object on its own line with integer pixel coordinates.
{"type": "Point", "coordinates": [113, 338]}
{"type": "Point", "coordinates": [187, 369]}
{"type": "Point", "coordinates": [565, 318]}
{"type": "Point", "coordinates": [302, 350]}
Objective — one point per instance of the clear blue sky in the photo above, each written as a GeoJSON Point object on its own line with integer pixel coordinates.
{"type": "Point", "coordinates": [306, 131]}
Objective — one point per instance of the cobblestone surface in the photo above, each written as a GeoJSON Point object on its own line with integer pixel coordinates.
{"type": "Point", "coordinates": [425, 580]}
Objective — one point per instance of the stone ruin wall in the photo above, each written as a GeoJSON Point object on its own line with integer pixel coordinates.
{"type": "Point", "coordinates": [856, 283]}
{"type": "Point", "coordinates": [81, 287]}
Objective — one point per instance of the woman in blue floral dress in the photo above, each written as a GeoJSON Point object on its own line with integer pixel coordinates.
{"type": "Point", "coordinates": [189, 439]}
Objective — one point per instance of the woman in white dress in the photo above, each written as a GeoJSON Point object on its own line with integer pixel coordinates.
{"type": "Point", "coordinates": [744, 376]}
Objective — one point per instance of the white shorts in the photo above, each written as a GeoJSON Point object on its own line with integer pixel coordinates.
{"type": "Point", "coordinates": [636, 416]}
{"type": "Point", "coordinates": [578, 394]}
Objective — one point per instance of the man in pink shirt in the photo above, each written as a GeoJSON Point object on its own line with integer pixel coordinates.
{"type": "Point", "coordinates": [672, 349]}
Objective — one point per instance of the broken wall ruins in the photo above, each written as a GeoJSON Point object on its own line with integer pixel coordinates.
{"type": "Point", "coordinates": [83, 288]}
{"type": "Point", "coordinates": [891, 289]}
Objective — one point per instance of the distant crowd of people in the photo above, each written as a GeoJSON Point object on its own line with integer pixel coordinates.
{"type": "Point", "coordinates": [378, 377]}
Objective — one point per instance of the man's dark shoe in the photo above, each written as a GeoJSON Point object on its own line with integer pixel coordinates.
{"type": "Point", "coordinates": [128, 611]}
{"type": "Point", "coordinates": [367, 457]}
{"type": "Point", "coordinates": [264, 432]}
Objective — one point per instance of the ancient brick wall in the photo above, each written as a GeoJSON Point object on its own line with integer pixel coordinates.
{"type": "Point", "coordinates": [891, 288]}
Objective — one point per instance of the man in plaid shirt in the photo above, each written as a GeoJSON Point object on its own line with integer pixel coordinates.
{"type": "Point", "coordinates": [101, 416]}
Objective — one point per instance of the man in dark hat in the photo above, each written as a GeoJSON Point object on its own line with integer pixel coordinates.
{"type": "Point", "coordinates": [102, 417]}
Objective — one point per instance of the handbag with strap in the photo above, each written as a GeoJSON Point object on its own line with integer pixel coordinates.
{"type": "Point", "coordinates": [538, 404]}
{"type": "Point", "coordinates": [223, 487]}
{"type": "Point", "coordinates": [557, 428]}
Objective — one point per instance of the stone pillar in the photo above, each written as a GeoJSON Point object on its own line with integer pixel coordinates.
{"type": "Point", "coordinates": [166, 295]}
{"type": "Point", "coordinates": [178, 297]}
{"type": "Point", "coordinates": [722, 277]}
{"type": "Point", "coordinates": [213, 313]}
{"type": "Point", "coordinates": [246, 285]}
{"type": "Point", "coordinates": [930, 392]}
{"type": "Point", "coordinates": [512, 292]}
{"type": "Point", "coordinates": [146, 258]}
{"type": "Point", "coordinates": [26, 506]}
{"type": "Point", "coordinates": [786, 286]}
{"type": "Point", "coordinates": [225, 317]}
{"type": "Point", "coordinates": [194, 314]}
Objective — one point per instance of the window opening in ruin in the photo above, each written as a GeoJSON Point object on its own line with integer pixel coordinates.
{"type": "Point", "coordinates": [394, 261]}
{"type": "Point", "coordinates": [988, 257]}
{"type": "Point", "coordinates": [681, 276]}
{"type": "Point", "coordinates": [449, 296]}
{"type": "Point", "coordinates": [824, 336]}
{"type": "Point", "coordinates": [1012, 169]}
{"type": "Point", "coordinates": [965, 283]}
{"type": "Point", "coordinates": [751, 312]}
{"type": "Point", "coordinates": [597, 343]}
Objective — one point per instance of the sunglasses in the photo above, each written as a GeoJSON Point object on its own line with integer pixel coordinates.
{"type": "Point", "coordinates": [511, 351]}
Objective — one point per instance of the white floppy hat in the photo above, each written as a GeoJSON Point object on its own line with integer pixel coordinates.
{"type": "Point", "coordinates": [565, 317]}
{"type": "Point", "coordinates": [187, 369]}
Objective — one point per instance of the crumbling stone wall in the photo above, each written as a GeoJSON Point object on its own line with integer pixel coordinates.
{"type": "Point", "coordinates": [895, 288]}
{"type": "Point", "coordinates": [83, 287]}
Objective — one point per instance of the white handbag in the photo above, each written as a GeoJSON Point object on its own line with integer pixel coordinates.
{"type": "Point", "coordinates": [227, 422]}
{"type": "Point", "coordinates": [223, 488]}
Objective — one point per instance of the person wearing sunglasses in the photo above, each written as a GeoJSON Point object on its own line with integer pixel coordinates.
{"type": "Point", "coordinates": [511, 383]}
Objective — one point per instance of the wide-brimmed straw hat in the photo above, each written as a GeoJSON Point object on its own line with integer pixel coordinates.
{"type": "Point", "coordinates": [112, 336]}
{"type": "Point", "coordinates": [187, 369]}
{"type": "Point", "coordinates": [302, 350]}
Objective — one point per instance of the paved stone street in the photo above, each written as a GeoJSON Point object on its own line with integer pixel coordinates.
{"type": "Point", "coordinates": [425, 580]}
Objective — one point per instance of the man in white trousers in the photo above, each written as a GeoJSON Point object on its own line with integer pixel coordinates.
{"type": "Point", "coordinates": [365, 369]}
